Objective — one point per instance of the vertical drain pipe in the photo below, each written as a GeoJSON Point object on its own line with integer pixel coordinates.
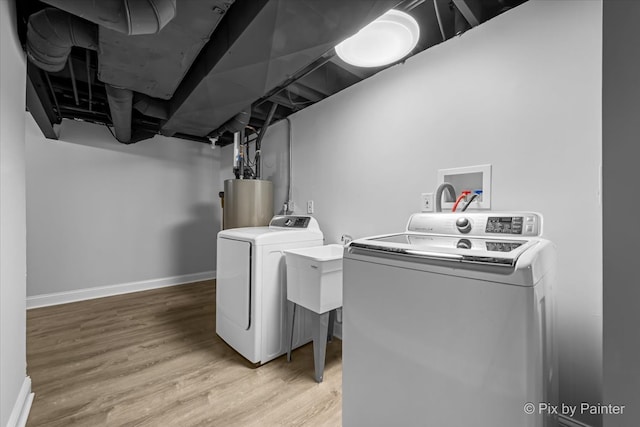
{"type": "Point", "coordinates": [267, 122]}
{"type": "Point", "coordinates": [244, 153]}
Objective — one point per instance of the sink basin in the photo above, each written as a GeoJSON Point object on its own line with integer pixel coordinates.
{"type": "Point", "coordinates": [314, 277]}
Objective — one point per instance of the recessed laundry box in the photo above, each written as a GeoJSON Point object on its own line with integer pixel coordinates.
{"type": "Point", "coordinates": [314, 277]}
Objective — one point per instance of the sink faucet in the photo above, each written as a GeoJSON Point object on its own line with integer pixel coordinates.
{"type": "Point", "coordinates": [440, 190]}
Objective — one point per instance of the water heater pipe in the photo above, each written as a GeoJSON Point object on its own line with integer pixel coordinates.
{"type": "Point", "coordinates": [289, 211]}
{"type": "Point", "coordinates": [266, 124]}
{"type": "Point", "coordinates": [244, 154]}
{"type": "Point", "coordinates": [236, 154]}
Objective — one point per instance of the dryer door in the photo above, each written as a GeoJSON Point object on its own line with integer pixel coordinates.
{"type": "Point", "coordinates": [233, 283]}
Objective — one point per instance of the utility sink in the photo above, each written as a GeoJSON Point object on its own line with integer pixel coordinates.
{"type": "Point", "coordinates": [314, 277]}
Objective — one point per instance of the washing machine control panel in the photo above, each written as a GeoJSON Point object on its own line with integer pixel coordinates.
{"type": "Point", "coordinates": [290, 221]}
{"type": "Point", "coordinates": [504, 224]}
{"type": "Point", "coordinates": [496, 224]}
{"type": "Point", "coordinates": [463, 225]}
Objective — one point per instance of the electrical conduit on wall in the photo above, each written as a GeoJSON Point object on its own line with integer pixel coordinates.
{"type": "Point", "coordinates": [287, 205]}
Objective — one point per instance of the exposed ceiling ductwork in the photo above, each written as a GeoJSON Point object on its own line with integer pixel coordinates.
{"type": "Point", "coordinates": [191, 68]}
{"type": "Point", "coordinates": [52, 33]}
{"type": "Point", "coordinates": [129, 17]}
{"type": "Point", "coordinates": [120, 105]}
{"type": "Point", "coordinates": [259, 46]}
{"type": "Point", "coordinates": [234, 124]}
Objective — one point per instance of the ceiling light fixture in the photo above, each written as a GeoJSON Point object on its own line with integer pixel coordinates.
{"type": "Point", "coordinates": [387, 39]}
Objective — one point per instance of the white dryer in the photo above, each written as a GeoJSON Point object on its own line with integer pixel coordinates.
{"type": "Point", "coordinates": [450, 324]}
{"type": "Point", "coordinates": [251, 286]}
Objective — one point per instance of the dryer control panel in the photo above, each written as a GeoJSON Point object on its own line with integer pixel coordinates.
{"type": "Point", "coordinates": [291, 221]}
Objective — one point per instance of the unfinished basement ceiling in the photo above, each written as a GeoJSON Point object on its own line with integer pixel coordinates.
{"type": "Point", "coordinates": [187, 68]}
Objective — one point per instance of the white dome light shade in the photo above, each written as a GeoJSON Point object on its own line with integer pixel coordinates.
{"type": "Point", "coordinates": [387, 39]}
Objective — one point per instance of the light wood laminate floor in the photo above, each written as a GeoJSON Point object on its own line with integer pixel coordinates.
{"type": "Point", "coordinates": [153, 359]}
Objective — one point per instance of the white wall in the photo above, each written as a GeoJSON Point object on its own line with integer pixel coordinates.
{"type": "Point", "coordinates": [12, 218]}
{"type": "Point", "coordinates": [620, 167]}
{"type": "Point", "coordinates": [521, 92]}
{"type": "Point", "coordinates": [100, 213]}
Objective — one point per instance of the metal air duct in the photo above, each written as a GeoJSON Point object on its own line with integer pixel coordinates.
{"type": "Point", "coordinates": [120, 105]}
{"type": "Point", "coordinates": [151, 106]}
{"type": "Point", "coordinates": [51, 33]}
{"type": "Point", "coordinates": [234, 124]}
{"type": "Point", "coordinates": [130, 17]}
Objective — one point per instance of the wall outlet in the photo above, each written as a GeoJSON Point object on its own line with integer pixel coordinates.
{"type": "Point", "coordinates": [309, 206]}
{"type": "Point", "coordinates": [426, 202]}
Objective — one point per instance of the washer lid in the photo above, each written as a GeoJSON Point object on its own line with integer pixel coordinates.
{"type": "Point", "coordinates": [473, 250]}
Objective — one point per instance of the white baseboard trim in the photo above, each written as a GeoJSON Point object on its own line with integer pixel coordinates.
{"type": "Point", "coordinates": [21, 408]}
{"type": "Point", "coordinates": [56, 298]}
{"type": "Point", "coordinates": [565, 421]}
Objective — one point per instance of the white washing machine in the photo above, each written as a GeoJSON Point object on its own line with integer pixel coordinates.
{"type": "Point", "coordinates": [449, 324]}
{"type": "Point", "coordinates": [251, 286]}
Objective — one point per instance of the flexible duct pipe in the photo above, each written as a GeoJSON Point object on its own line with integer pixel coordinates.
{"type": "Point", "coordinates": [153, 107]}
{"type": "Point", "coordinates": [51, 34]}
{"type": "Point", "coordinates": [131, 17]}
{"type": "Point", "coordinates": [120, 105]}
{"type": "Point", "coordinates": [234, 124]}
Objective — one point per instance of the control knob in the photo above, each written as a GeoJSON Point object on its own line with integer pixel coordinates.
{"type": "Point", "coordinates": [463, 224]}
{"type": "Point", "coordinates": [464, 244]}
